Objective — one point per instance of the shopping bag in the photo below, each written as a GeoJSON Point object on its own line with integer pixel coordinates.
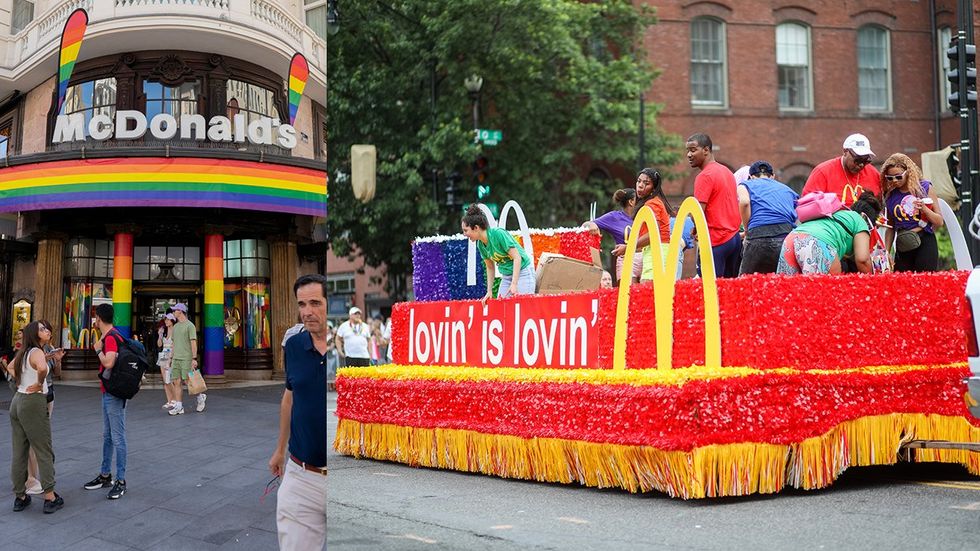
{"type": "Point", "coordinates": [195, 383]}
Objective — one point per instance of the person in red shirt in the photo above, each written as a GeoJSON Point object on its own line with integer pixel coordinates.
{"type": "Point", "coordinates": [113, 410]}
{"type": "Point", "coordinates": [848, 175]}
{"type": "Point", "coordinates": [715, 189]}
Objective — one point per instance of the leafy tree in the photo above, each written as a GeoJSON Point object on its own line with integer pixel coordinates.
{"type": "Point", "coordinates": [561, 78]}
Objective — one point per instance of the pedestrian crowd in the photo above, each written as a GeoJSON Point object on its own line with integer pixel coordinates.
{"type": "Point", "coordinates": [758, 224]}
{"type": "Point", "coordinates": [299, 458]}
{"type": "Point", "coordinates": [358, 342]}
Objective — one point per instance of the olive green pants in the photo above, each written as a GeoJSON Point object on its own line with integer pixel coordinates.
{"type": "Point", "coordinates": [31, 428]}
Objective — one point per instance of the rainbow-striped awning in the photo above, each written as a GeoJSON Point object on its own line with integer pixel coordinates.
{"type": "Point", "coordinates": [164, 182]}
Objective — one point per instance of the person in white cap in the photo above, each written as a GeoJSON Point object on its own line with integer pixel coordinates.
{"type": "Point", "coordinates": [184, 359]}
{"type": "Point", "coordinates": [848, 175]}
{"type": "Point", "coordinates": [352, 340]}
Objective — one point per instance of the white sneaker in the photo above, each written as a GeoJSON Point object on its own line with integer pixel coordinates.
{"type": "Point", "coordinates": [177, 410]}
{"type": "Point", "coordinates": [169, 405]}
{"type": "Point", "coordinates": [201, 398]}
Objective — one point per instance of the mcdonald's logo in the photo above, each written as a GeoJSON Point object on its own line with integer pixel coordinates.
{"type": "Point", "coordinates": [663, 287]}
{"type": "Point", "coordinates": [853, 191]}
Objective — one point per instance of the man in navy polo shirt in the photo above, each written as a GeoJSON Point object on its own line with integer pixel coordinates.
{"type": "Point", "coordinates": [301, 510]}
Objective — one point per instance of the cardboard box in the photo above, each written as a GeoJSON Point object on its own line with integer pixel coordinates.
{"type": "Point", "coordinates": [560, 274]}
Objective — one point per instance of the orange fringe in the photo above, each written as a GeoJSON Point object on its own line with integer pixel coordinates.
{"type": "Point", "coordinates": [709, 471]}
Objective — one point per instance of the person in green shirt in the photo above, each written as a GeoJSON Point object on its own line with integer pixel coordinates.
{"type": "Point", "coordinates": [500, 251]}
{"type": "Point", "coordinates": [818, 246]}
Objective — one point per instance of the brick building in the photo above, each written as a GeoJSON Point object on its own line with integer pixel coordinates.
{"type": "Point", "coordinates": [788, 81]}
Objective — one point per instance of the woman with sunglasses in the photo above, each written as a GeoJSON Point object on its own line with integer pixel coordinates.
{"type": "Point", "coordinates": [912, 210]}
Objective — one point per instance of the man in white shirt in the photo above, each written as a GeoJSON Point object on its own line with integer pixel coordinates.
{"type": "Point", "coordinates": [352, 340]}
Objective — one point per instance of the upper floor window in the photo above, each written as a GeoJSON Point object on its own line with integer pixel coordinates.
{"type": "Point", "coordinates": [246, 258]}
{"type": "Point", "coordinates": [167, 263]}
{"type": "Point", "coordinates": [316, 16]}
{"type": "Point", "coordinates": [251, 100]}
{"type": "Point", "coordinates": [793, 66]}
{"type": "Point", "coordinates": [95, 97]}
{"type": "Point", "coordinates": [21, 15]}
{"type": "Point", "coordinates": [874, 65]}
{"type": "Point", "coordinates": [708, 71]}
{"type": "Point", "coordinates": [944, 35]}
{"type": "Point", "coordinates": [172, 100]}
{"type": "Point", "coordinates": [88, 258]}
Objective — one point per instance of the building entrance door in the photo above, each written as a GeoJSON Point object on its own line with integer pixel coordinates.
{"type": "Point", "coordinates": [149, 306]}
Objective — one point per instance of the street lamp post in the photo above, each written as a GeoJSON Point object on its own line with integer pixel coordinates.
{"type": "Point", "coordinates": [473, 84]}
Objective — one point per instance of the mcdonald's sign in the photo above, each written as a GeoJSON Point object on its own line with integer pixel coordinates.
{"type": "Point", "coordinates": [663, 287]}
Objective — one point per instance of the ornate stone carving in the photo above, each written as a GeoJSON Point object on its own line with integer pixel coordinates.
{"type": "Point", "coordinates": [171, 69]}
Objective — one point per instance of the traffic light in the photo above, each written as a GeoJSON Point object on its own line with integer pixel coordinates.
{"type": "Point", "coordinates": [452, 184]}
{"type": "Point", "coordinates": [481, 177]}
{"type": "Point", "coordinates": [968, 77]}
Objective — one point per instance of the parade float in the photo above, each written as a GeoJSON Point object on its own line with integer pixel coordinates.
{"type": "Point", "coordinates": [699, 388]}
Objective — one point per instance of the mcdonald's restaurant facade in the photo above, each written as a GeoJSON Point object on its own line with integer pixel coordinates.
{"type": "Point", "coordinates": [173, 168]}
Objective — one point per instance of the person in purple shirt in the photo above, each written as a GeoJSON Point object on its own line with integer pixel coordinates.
{"type": "Point", "coordinates": [616, 221]}
{"type": "Point", "coordinates": [912, 209]}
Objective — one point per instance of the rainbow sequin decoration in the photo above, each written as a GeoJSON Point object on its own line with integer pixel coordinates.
{"type": "Point", "coordinates": [299, 71]}
{"type": "Point", "coordinates": [71, 42]}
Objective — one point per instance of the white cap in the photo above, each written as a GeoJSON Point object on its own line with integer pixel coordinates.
{"type": "Point", "coordinates": [859, 144]}
{"type": "Point", "coordinates": [353, 310]}
{"type": "Point", "coordinates": [742, 174]}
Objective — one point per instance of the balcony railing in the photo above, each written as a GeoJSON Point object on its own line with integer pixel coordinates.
{"type": "Point", "coordinates": [267, 17]}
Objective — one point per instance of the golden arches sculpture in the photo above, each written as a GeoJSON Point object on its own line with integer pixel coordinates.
{"type": "Point", "coordinates": [663, 287]}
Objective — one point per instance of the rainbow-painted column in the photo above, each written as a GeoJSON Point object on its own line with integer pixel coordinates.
{"type": "Point", "coordinates": [214, 305]}
{"type": "Point", "coordinates": [122, 283]}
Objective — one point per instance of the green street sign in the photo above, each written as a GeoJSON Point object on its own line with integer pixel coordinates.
{"type": "Point", "coordinates": [489, 137]}
{"type": "Point", "coordinates": [494, 208]}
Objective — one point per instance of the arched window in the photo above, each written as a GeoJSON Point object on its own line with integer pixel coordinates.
{"type": "Point", "coordinates": [793, 66]}
{"type": "Point", "coordinates": [708, 63]}
{"type": "Point", "coordinates": [172, 100]}
{"type": "Point", "coordinates": [251, 100]}
{"type": "Point", "coordinates": [874, 66]}
{"type": "Point", "coordinates": [94, 97]}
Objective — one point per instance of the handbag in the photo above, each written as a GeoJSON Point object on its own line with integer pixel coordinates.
{"type": "Point", "coordinates": [195, 383]}
{"type": "Point", "coordinates": [880, 260]}
{"type": "Point", "coordinates": [907, 240]}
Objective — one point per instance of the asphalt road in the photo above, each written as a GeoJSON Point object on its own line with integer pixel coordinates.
{"type": "Point", "coordinates": [389, 506]}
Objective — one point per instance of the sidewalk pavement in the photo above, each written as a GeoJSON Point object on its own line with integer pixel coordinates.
{"type": "Point", "coordinates": [194, 481]}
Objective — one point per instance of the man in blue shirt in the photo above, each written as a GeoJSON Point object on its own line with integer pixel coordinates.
{"type": "Point", "coordinates": [301, 510]}
{"type": "Point", "coordinates": [768, 210]}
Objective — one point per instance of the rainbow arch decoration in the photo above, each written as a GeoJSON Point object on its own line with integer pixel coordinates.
{"type": "Point", "coordinates": [299, 71]}
{"type": "Point", "coordinates": [71, 43]}
{"type": "Point", "coordinates": [164, 182]}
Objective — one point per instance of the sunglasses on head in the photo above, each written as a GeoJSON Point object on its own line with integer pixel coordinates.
{"type": "Point", "coordinates": [896, 177]}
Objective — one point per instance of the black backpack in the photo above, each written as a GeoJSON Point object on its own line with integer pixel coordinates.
{"type": "Point", "coordinates": [123, 379]}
